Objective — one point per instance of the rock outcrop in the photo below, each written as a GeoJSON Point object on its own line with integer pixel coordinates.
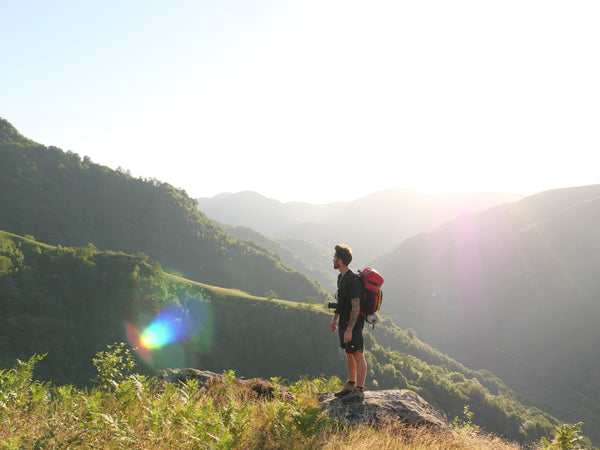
{"type": "Point", "coordinates": [377, 406]}
{"type": "Point", "coordinates": [185, 375]}
{"type": "Point", "coordinates": [400, 404]}
{"type": "Point", "coordinates": [258, 386]}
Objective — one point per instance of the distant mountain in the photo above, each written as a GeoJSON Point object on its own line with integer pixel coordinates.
{"type": "Point", "coordinates": [514, 289]}
{"type": "Point", "coordinates": [371, 225]}
{"type": "Point", "coordinates": [72, 302]}
{"type": "Point", "coordinates": [62, 199]}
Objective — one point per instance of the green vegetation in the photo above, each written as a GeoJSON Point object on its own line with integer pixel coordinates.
{"type": "Point", "coordinates": [9, 135]}
{"type": "Point", "coordinates": [295, 253]}
{"type": "Point", "coordinates": [62, 199]}
{"type": "Point", "coordinates": [125, 409]}
{"type": "Point", "coordinates": [567, 437]}
{"type": "Point", "coordinates": [69, 303]}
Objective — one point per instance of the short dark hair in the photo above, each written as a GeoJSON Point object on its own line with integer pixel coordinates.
{"type": "Point", "coordinates": [344, 252]}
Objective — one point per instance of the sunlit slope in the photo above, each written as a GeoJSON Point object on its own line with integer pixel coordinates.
{"type": "Point", "coordinates": [514, 290]}
{"type": "Point", "coordinates": [296, 253]}
{"type": "Point", "coordinates": [72, 302]}
{"type": "Point", "coordinates": [60, 198]}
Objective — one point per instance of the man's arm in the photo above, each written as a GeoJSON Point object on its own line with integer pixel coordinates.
{"type": "Point", "coordinates": [353, 318]}
{"type": "Point", "coordinates": [354, 312]}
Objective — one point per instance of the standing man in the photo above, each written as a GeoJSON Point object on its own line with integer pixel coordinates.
{"type": "Point", "coordinates": [350, 325]}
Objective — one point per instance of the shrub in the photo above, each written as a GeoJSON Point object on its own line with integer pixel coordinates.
{"type": "Point", "coordinates": [113, 365]}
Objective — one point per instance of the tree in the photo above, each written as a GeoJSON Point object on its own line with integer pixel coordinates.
{"type": "Point", "coordinates": [310, 300]}
{"type": "Point", "coordinates": [567, 437]}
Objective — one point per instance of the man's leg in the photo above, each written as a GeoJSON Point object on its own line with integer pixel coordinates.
{"type": "Point", "coordinates": [351, 383]}
{"type": "Point", "coordinates": [360, 364]}
{"type": "Point", "coordinates": [352, 367]}
{"type": "Point", "coordinates": [357, 394]}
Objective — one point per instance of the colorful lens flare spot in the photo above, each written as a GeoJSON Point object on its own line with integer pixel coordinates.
{"type": "Point", "coordinates": [173, 324]}
{"type": "Point", "coordinates": [160, 333]}
{"type": "Point", "coordinates": [134, 338]}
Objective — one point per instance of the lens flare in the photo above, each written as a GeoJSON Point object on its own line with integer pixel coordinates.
{"type": "Point", "coordinates": [173, 324]}
{"type": "Point", "coordinates": [159, 334]}
{"type": "Point", "coordinates": [181, 321]}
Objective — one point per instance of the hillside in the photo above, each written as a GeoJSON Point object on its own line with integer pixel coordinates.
{"type": "Point", "coordinates": [295, 253]}
{"type": "Point", "coordinates": [72, 302]}
{"type": "Point", "coordinates": [62, 199]}
{"type": "Point", "coordinates": [189, 408]}
{"type": "Point", "coordinates": [513, 290]}
{"type": "Point", "coordinates": [373, 224]}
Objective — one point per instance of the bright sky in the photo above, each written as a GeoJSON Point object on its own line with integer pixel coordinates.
{"type": "Point", "coordinates": [312, 100]}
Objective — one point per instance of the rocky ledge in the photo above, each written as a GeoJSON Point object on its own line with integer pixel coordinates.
{"type": "Point", "coordinates": [204, 378]}
{"type": "Point", "coordinates": [394, 404]}
{"type": "Point", "coordinates": [401, 404]}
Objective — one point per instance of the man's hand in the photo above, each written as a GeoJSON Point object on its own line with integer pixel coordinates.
{"type": "Point", "coordinates": [347, 335]}
{"type": "Point", "coordinates": [333, 324]}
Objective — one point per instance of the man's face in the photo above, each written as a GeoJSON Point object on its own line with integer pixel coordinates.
{"type": "Point", "coordinates": [337, 262]}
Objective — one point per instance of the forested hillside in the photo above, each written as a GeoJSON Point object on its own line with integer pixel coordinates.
{"type": "Point", "coordinates": [514, 290]}
{"type": "Point", "coordinates": [295, 253]}
{"type": "Point", "coordinates": [72, 302]}
{"type": "Point", "coordinates": [62, 199]}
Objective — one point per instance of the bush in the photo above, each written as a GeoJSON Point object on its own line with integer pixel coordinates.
{"type": "Point", "coordinates": [114, 365]}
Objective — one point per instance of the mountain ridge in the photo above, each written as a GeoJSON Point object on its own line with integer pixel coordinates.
{"type": "Point", "coordinates": [390, 215]}
{"type": "Point", "coordinates": [61, 198]}
{"type": "Point", "coordinates": [10, 135]}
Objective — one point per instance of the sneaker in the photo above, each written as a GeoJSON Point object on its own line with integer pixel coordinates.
{"type": "Point", "coordinates": [357, 395]}
{"type": "Point", "coordinates": [347, 389]}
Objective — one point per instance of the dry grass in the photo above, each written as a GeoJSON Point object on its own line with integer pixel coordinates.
{"type": "Point", "coordinates": [225, 414]}
{"type": "Point", "coordinates": [401, 436]}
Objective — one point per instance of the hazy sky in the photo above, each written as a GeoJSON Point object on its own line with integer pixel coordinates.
{"type": "Point", "coordinates": [312, 100]}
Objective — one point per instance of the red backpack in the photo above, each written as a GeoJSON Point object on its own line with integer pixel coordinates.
{"type": "Point", "coordinates": [372, 296]}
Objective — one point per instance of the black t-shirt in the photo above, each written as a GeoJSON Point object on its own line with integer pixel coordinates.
{"type": "Point", "coordinates": [349, 287]}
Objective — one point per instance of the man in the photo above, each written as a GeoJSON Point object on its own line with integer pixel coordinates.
{"type": "Point", "coordinates": [350, 325]}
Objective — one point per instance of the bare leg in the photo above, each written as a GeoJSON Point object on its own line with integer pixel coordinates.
{"type": "Point", "coordinates": [361, 368]}
{"type": "Point", "coordinates": [351, 363]}
{"type": "Point", "coordinates": [357, 365]}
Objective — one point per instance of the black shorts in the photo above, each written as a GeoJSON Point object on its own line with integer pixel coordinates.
{"type": "Point", "coordinates": [356, 343]}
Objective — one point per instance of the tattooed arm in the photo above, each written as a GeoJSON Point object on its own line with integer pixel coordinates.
{"type": "Point", "coordinates": [354, 313]}
{"type": "Point", "coordinates": [353, 318]}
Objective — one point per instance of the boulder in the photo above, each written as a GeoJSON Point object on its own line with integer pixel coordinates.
{"type": "Point", "coordinates": [184, 375]}
{"type": "Point", "coordinates": [395, 404]}
{"type": "Point", "coordinates": [259, 386]}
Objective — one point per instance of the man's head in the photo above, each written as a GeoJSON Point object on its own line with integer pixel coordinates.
{"type": "Point", "coordinates": [343, 255]}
